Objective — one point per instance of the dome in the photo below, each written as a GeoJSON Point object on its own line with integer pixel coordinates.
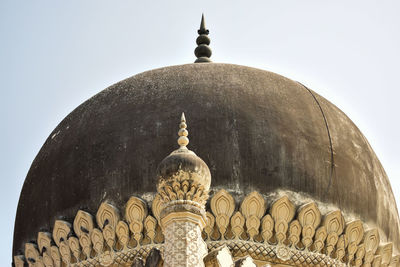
{"type": "Point", "coordinates": [256, 130]}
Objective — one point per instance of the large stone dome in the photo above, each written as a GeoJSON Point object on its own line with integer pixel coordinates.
{"type": "Point", "coordinates": [256, 130]}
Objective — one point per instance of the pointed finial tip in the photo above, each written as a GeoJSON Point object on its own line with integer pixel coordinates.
{"type": "Point", "coordinates": [202, 23]}
{"type": "Point", "coordinates": [183, 141]}
{"type": "Point", "coordinates": [203, 29]}
{"type": "Point", "coordinates": [203, 51]}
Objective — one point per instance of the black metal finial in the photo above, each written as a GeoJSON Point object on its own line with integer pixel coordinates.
{"type": "Point", "coordinates": [203, 51]}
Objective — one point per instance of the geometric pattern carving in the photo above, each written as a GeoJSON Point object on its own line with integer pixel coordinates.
{"type": "Point", "coordinates": [281, 236]}
{"type": "Point", "coordinates": [184, 243]}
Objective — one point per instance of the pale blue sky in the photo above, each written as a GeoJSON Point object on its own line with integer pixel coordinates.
{"type": "Point", "coordinates": [56, 54]}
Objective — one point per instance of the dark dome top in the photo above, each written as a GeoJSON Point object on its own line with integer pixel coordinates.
{"type": "Point", "coordinates": [256, 130]}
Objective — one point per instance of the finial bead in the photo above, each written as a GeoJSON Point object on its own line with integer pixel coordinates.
{"type": "Point", "coordinates": [182, 125]}
{"type": "Point", "coordinates": [203, 39]}
{"type": "Point", "coordinates": [183, 141]}
{"type": "Point", "coordinates": [183, 132]}
{"type": "Point", "coordinates": [203, 51]}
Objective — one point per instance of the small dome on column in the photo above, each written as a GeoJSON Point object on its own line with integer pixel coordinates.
{"type": "Point", "coordinates": [183, 175]}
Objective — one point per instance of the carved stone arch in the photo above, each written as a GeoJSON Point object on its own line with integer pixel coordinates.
{"type": "Point", "coordinates": [47, 259]}
{"type": "Point", "coordinates": [156, 206]}
{"type": "Point", "coordinates": [341, 246]}
{"type": "Point", "coordinates": [83, 223]}
{"type": "Point", "coordinates": [136, 209]}
{"type": "Point", "coordinates": [253, 208]}
{"type": "Point", "coordinates": [237, 223]}
{"type": "Point", "coordinates": [334, 224]}
{"type": "Point", "coordinates": [395, 262]}
{"type": "Point", "coordinates": [319, 240]}
{"type": "Point", "coordinates": [97, 240]}
{"type": "Point", "coordinates": [222, 205]}
{"type": "Point", "coordinates": [267, 226]}
{"type": "Point", "coordinates": [135, 213]}
{"type": "Point", "coordinates": [359, 256]}
{"type": "Point", "coordinates": [61, 230]}
{"type": "Point", "coordinates": [55, 255]}
{"type": "Point", "coordinates": [253, 205]}
{"type": "Point", "coordinates": [309, 217]}
{"type": "Point", "coordinates": [210, 222]}
{"type": "Point", "coordinates": [377, 261]}
{"type": "Point", "coordinates": [65, 252]}
{"type": "Point", "coordinates": [385, 251]}
{"type": "Point", "coordinates": [122, 232]}
{"type": "Point", "coordinates": [150, 223]}
{"type": "Point", "coordinates": [44, 241]}
{"type": "Point", "coordinates": [282, 211]}
{"type": "Point", "coordinates": [19, 261]}
{"type": "Point", "coordinates": [86, 243]}
{"type": "Point", "coordinates": [74, 246]}
{"type": "Point", "coordinates": [371, 241]}
{"type": "Point", "coordinates": [354, 233]}
{"type": "Point", "coordinates": [31, 253]}
{"type": "Point", "coordinates": [294, 233]}
{"type": "Point", "coordinates": [107, 214]}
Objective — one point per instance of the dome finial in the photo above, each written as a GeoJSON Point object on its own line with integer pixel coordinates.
{"type": "Point", "coordinates": [203, 51]}
{"type": "Point", "coordinates": [183, 141]}
{"type": "Point", "coordinates": [203, 29]}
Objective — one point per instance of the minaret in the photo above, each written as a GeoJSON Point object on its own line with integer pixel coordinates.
{"type": "Point", "coordinates": [203, 51]}
{"type": "Point", "coordinates": [183, 183]}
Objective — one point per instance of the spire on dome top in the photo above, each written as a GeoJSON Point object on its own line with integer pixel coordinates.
{"type": "Point", "coordinates": [203, 51]}
{"type": "Point", "coordinates": [203, 29]}
{"type": "Point", "coordinates": [183, 141]}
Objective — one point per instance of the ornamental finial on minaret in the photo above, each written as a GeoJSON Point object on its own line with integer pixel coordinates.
{"type": "Point", "coordinates": [183, 184]}
{"type": "Point", "coordinates": [183, 140]}
{"type": "Point", "coordinates": [183, 166]}
{"type": "Point", "coordinates": [203, 51]}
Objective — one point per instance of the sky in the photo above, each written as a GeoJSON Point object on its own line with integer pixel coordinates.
{"type": "Point", "coordinates": [54, 55]}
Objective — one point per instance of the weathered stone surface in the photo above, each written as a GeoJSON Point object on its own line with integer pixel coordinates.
{"type": "Point", "coordinates": [245, 262]}
{"type": "Point", "coordinates": [137, 262]}
{"type": "Point", "coordinates": [255, 130]}
{"type": "Point", "coordinates": [154, 259]}
{"type": "Point", "coordinates": [220, 257]}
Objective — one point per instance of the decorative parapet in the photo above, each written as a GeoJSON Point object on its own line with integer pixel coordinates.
{"type": "Point", "coordinates": [285, 234]}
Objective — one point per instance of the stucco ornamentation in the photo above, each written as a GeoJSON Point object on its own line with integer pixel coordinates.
{"type": "Point", "coordinates": [283, 236]}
